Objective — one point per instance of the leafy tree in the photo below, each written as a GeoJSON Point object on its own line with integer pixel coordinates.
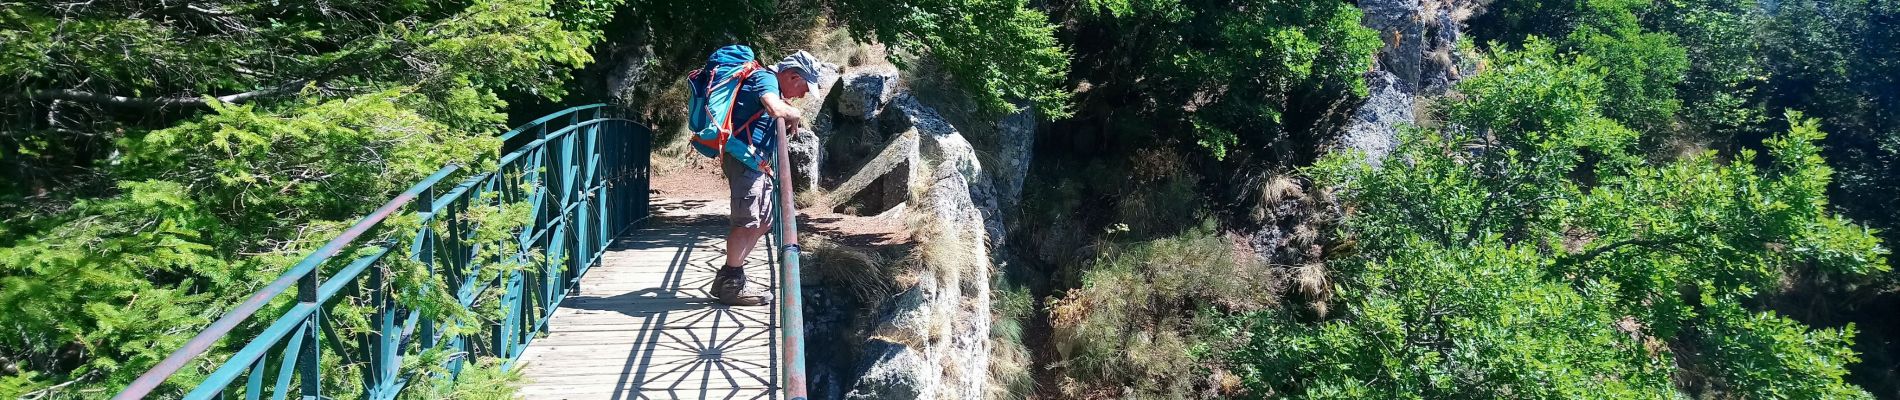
{"type": "Point", "coordinates": [1530, 250]}
{"type": "Point", "coordinates": [1254, 80]}
{"type": "Point", "coordinates": [999, 50]}
{"type": "Point", "coordinates": [1719, 89]}
{"type": "Point", "coordinates": [1835, 61]}
{"type": "Point", "coordinates": [1640, 67]}
{"type": "Point", "coordinates": [83, 75]}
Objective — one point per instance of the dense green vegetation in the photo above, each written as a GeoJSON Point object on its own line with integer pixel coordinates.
{"type": "Point", "coordinates": [1724, 73]}
{"type": "Point", "coordinates": [1632, 199]}
{"type": "Point", "coordinates": [1533, 252]}
{"type": "Point", "coordinates": [1622, 203]}
{"type": "Point", "coordinates": [1252, 81]}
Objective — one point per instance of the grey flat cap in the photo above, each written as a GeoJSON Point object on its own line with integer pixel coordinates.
{"type": "Point", "coordinates": [806, 64]}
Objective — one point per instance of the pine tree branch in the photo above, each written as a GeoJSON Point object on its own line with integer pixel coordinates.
{"type": "Point", "coordinates": [159, 102]}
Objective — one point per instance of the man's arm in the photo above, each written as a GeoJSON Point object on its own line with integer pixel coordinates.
{"type": "Point", "coordinates": [782, 110]}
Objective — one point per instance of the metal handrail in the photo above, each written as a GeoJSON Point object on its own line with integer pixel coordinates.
{"type": "Point", "coordinates": [791, 310]}
{"type": "Point", "coordinates": [586, 183]}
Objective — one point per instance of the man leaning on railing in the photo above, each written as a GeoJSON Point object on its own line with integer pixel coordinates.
{"type": "Point", "coordinates": [733, 114]}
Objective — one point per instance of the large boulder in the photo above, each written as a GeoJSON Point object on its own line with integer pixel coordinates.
{"type": "Point", "coordinates": [806, 156]}
{"type": "Point", "coordinates": [865, 92]}
{"type": "Point", "coordinates": [942, 146]}
{"type": "Point", "coordinates": [904, 113]}
{"type": "Point", "coordinates": [896, 372]}
{"type": "Point", "coordinates": [883, 182]}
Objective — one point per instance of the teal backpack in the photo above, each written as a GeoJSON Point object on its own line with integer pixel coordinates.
{"type": "Point", "coordinates": [715, 94]}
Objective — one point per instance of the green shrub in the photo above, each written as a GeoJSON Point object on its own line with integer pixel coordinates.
{"type": "Point", "coordinates": [1249, 81]}
{"type": "Point", "coordinates": [1531, 250]}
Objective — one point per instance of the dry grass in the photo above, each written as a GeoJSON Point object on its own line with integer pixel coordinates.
{"type": "Point", "coordinates": [813, 199]}
{"type": "Point", "coordinates": [865, 274]}
{"type": "Point", "coordinates": [1144, 312]}
{"type": "Point", "coordinates": [1315, 287]}
{"type": "Point", "coordinates": [1011, 377]}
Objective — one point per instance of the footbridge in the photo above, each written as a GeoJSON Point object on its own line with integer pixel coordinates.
{"type": "Point", "coordinates": [551, 269]}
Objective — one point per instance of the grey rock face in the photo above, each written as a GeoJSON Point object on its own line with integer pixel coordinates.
{"type": "Point", "coordinates": [1420, 36]}
{"type": "Point", "coordinates": [1399, 26]}
{"type": "Point", "coordinates": [1374, 127]}
{"type": "Point", "coordinates": [806, 156]}
{"type": "Point", "coordinates": [629, 65]}
{"type": "Point", "coordinates": [896, 372]}
{"type": "Point", "coordinates": [1419, 59]}
{"type": "Point", "coordinates": [931, 341]}
{"type": "Point", "coordinates": [865, 92]}
{"type": "Point", "coordinates": [904, 113]}
{"type": "Point", "coordinates": [1016, 136]}
{"type": "Point", "coordinates": [1445, 66]}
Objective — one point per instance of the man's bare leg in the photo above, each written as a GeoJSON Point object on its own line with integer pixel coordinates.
{"type": "Point", "coordinates": [739, 244]}
{"type": "Point", "coordinates": [729, 286]}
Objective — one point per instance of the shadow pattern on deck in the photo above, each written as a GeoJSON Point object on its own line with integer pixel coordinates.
{"type": "Point", "coordinates": [644, 324]}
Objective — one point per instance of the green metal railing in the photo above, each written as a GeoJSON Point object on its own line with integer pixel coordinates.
{"type": "Point", "coordinates": [790, 305]}
{"type": "Point", "coordinates": [584, 176]}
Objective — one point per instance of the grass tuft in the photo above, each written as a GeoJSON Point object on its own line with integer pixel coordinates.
{"type": "Point", "coordinates": [1142, 322]}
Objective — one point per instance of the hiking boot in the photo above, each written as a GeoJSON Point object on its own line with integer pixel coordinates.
{"type": "Point", "coordinates": [730, 287]}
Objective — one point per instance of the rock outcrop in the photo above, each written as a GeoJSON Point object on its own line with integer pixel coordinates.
{"type": "Point", "coordinates": [1420, 37]}
{"type": "Point", "coordinates": [885, 149]}
{"type": "Point", "coordinates": [866, 91]}
{"type": "Point", "coordinates": [1420, 58]}
{"type": "Point", "coordinates": [883, 181]}
{"type": "Point", "coordinates": [1015, 138]}
{"type": "Point", "coordinates": [933, 341]}
{"type": "Point", "coordinates": [1375, 124]}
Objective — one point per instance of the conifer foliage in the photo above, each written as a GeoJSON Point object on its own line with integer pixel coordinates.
{"type": "Point", "coordinates": [162, 160]}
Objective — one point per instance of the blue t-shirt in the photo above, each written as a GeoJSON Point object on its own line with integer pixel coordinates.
{"type": "Point", "coordinates": [763, 137]}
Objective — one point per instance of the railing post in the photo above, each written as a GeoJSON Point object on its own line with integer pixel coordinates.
{"type": "Point", "coordinates": [791, 308]}
{"type": "Point", "coordinates": [308, 373]}
{"type": "Point", "coordinates": [425, 254]}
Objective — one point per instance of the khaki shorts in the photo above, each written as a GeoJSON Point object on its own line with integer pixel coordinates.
{"type": "Point", "coordinates": [751, 206]}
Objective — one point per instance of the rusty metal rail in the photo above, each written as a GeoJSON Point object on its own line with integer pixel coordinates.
{"type": "Point", "coordinates": [791, 308]}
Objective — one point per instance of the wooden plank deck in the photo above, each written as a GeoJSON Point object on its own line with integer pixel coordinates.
{"type": "Point", "coordinates": [644, 324]}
